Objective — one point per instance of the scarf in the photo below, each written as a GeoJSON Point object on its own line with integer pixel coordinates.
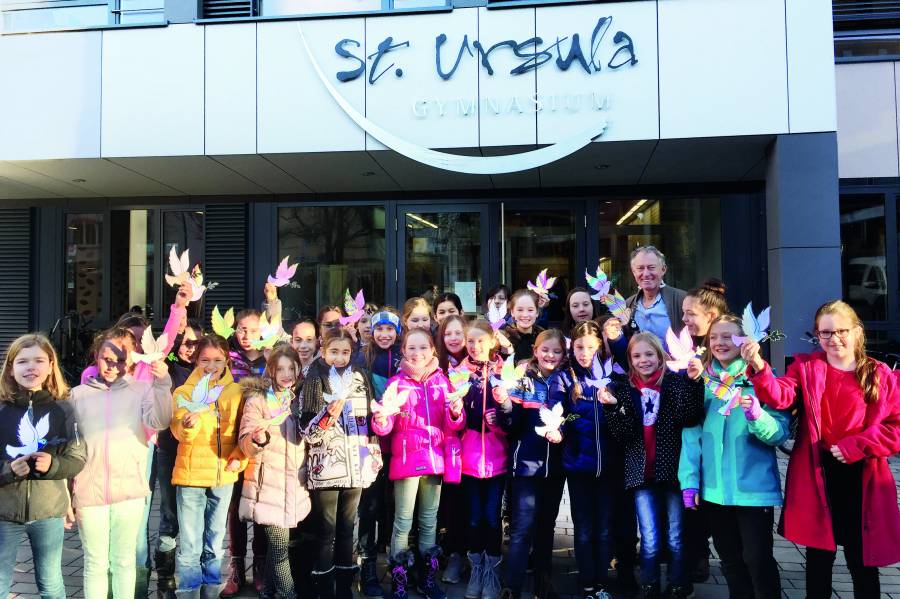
{"type": "Point", "coordinates": [418, 374]}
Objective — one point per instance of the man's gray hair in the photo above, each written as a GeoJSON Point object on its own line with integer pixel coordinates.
{"type": "Point", "coordinates": [650, 250]}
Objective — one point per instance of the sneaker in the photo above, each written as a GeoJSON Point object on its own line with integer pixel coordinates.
{"type": "Point", "coordinates": [453, 571]}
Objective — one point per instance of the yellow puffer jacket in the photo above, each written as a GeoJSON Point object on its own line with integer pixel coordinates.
{"type": "Point", "coordinates": [206, 448]}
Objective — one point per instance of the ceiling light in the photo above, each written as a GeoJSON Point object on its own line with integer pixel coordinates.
{"type": "Point", "coordinates": [627, 216]}
{"type": "Point", "coordinates": [427, 223]}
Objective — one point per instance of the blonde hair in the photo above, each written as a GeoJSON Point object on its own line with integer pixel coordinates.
{"type": "Point", "coordinates": [410, 306]}
{"type": "Point", "coordinates": [724, 318]}
{"type": "Point", "coordinates": [655, 344]}
{"type": "Point", "coordinates": [55, 382]}
{"type": "Point", "coordinates": [866, 367]}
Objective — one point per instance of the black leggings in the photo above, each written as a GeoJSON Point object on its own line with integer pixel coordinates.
{"type": "Point", "coordinates": [843, 487]}
{"type": "Point", "coordinates": [335, 516]}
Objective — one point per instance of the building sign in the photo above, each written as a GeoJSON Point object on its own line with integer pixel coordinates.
{"type": "Point", "coordinates": [606, 50]}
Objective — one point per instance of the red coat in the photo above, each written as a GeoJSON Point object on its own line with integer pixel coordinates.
{"type": "Point", "coordinates": [806, 518]}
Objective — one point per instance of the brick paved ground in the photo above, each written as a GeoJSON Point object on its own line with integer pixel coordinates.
{"type": "Point", "coordinates": [791, 560]}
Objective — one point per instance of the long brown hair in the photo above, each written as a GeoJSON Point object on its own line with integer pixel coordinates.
{"type": "Point", "coordinates": [866, 367]}
{"type": "Point", "coordinates": [55, 383]}
{"type": "Point", "coordinates": [485, 327]}
{"type": "Point", "coordinates": [442, 353]}
{"type": "Point", "coordinates": [282, 350]}
{"type": "Point", "coordinates": [711, 296]}
{"type": "Point", "coordinates": [588, 328]}
{"type": "Point", "coordinates": [410, 305]}
{"type": "Point", "coordinates": [543, 337]}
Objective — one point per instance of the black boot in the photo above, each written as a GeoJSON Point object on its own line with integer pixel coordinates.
{"type": "Point", "coordinates": [324, 584]}
{"type": "Point", "coordinates": [543, 587]}
{"type": "Point", "coordinates": [369, 584]}
{"type": "Point", "coordinates": [650, 591]}
{"type": "Point", "coordinates": [400, 566]}
{"type": "Point", "coordinates": [428, 574]}
{"type": "Point", "coordinates": [343, 581]}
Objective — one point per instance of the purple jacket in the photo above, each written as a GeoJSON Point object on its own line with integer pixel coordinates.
{"type": "Point", "coordinates": [417, 433]}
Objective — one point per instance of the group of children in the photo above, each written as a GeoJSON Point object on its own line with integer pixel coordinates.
{"type": "Point", "coordinates": [423, 420]}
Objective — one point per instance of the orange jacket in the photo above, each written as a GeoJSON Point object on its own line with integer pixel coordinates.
{"type": "Point", "coordinates": [206, 448]}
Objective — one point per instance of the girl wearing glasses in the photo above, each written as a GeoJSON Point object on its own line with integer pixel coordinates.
{"type": "Point", "coordinates": [839, 490]}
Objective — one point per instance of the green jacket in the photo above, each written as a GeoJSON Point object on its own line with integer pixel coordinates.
{"type": "Point", "coordinates": [730, 459]}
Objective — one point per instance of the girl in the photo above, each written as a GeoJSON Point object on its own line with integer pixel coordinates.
{"type": "Point", "coordinates": [588, 460]}
{"type": "Point", "coordinates": [364, 326]}
{"type": "Point", "coordinates": [523, 331]}
{"type": "Point", "coordinates": [34, 497]}
{"type": "Point", "coordinates": [181, 362]}
{"type": "Point", "coordinates": [646, 413]}
{"type": "Point", "coordinates": [537, 478]}
{"type": "Point", "coordinates": [446, 304]}
{"type": "Point", "coordinates": [305, 341]}
{"type": "Point", "coordinates": [451, 341]}
{"type": "Point", "coordinates": [335, 423]}
{"type": "Point", "coordinates": [383, 358]}
{"type": "Point", "coordinates": [417, 446]}
{"type": "Point", "coordinates": [112, 411]}
{"type": "Point", "coordinates": [416, 314]}
{"type": "Point", "coordinates": [206, 467]}
{"type": "Point", "coordinates": [328, 320]}
{"type": "Point", "coordinates": [498, 295]}
{"type": "Point", "coordinates": [580, 308]}
{"type": "Point", "coordinates": [839, 490]}
{"type": "Point", "coordinates": [701, 306]}
{"type": "Point", "coordinates": [484, 451]}
{"type": "Point", "coordinates": [729, 461]}
{"type": "Point", "coordinates": [274, 493]}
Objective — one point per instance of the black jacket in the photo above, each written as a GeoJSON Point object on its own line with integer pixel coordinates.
{"type": "Point", "coordinates": [680, 406]}
{"type": "Point", "coordinates": [38, 496]}
{"type": "Point", "coordinates": [531, 454]}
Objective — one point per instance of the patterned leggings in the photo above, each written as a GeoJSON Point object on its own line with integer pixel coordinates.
{"type": "Point", "coordinates": [279, 581]}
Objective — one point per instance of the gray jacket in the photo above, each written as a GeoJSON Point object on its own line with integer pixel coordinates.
{"type": "Point", "coordinates": [673, 297]}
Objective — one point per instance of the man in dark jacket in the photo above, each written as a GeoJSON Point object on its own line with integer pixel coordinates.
{"type": "Point", "coordinates": [656, 306]}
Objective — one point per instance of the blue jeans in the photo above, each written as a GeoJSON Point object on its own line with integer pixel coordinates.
{"type": "Point", "coordinates": [659, 512]}
{"type": "Point", "coordinates": [202, 513]}
{"type": "Point", "coordinates": [168, 516]}
{"type": "Point", "coordinates": [533, 507]}
{"type": "Point", "coordinates": [592, 502]}
{"type": "Point", "coordinates": [484, 497]}
{"type": "Point", "coordinates": [143, 540]}
{"type": "Point", "coordinates": [46, 538]}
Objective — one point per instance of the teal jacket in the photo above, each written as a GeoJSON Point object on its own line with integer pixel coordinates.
{"type": "Point", "coordinates": [730, 459]}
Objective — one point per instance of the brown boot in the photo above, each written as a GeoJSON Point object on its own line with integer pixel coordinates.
{"type": "Point", "coordinates": [259, 574]}
{"type": "Point", "coordinates": [236, 578]}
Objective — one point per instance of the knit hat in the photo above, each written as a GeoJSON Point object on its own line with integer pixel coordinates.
{"type": "Point", "coordinates": [385, 317]}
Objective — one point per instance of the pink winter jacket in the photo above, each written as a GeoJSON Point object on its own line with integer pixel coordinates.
{"type": "Point", "coordinates": [484, 446]}
{"type": "Point", "coordinates": [112, 420]}
{"type": "Point", "coordinates": [417, 433]}
{"type": "Point", "coordinates": [274, 491]}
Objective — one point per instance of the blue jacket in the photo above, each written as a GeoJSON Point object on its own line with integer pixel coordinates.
{"type": "Point", "coordinates": [585, 448]}
{"type": "Point", "coordinates": [730, 459]}
{"type": "Point", "coordinates": [531, 454]}
{"type": "Point", "coordinates": [385, 365]}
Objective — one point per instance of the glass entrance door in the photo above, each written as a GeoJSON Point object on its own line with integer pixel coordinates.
{"type": "Point", "coordinates": [442, 248]}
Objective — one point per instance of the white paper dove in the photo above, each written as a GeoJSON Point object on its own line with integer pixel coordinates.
{"type": "Point", "coordinates": [180, 267]}
{"type": "Point", "coordinates": [154, 349]}
{"type": "Point", "coordinates": [754, 326]}
{"type": "Point", "coordinates": [202, 396]}
{"type": "Point", "coordinates": [32, 437]}
{"type": "Point", "coordinates": [552, 419]}
{"type": "Point", "coordinates": [497, 316]}
{"type": "Point", "coordinates": [392, 401]}
{"type": "Point", "coordinates": [339, 384]}
{"type": "Point", "coordinates": [681, 348]}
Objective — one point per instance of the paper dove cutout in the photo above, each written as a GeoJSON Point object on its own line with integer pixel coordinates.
{"type": "Point", "coordinates": [180, 267]}
{"type": "Point", "coordinates": [614, 301]}
{"type": "Point", "coordinates": [202, 397]}
{"type": "Point", "coordinates": [32, 437]}
{"type": "Point", "coordinates": [392, 401]}
{"type": "Point", "coordinates": [552, 419]}
{"type": "Point", "coordinates": [339, 384]}
{"type": "Point", "coordinates": [723, 387]}
{"type": "Point", "coordinates": [283, 274]}
{"type": "Point", "coordinates": [269, 333]}
{"type": "Point", "coordinates": [542, 284]}
{"type": "Point", "coordinates": [223, 327]}
{"type": "Point", "coordinates": [197, 286]}
{"type": "Point", "coordinates": [353, 306]}
{"type": "Point", "coordinates": [496, 316]}
{"type": "Point", "coordinates": [279, 406]}
{"type": "Point", "coordinates": [755, 327]}
{"type": "Point", "coordinates": [681, 348]}
{"type": "Point", "coordinates": [510, 374]}
{"type": "Point", "coordinates": [154, 349]}
{"type": "Point", "coordinates": [459, 381]}
{"type": "Point", "coordinates": [600, 373]}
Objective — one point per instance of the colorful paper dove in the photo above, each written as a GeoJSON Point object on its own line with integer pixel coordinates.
{"type": "Point", "coordinates": [542, 283]}
{"type": "Point", "coordinates": [459, 381]}
{"type": "Point", "coordinates": [681, 348]}
{"type": "Point", "coordinates": [510, 374]}
{"type": "Point", "coordinates": [33, 437]}
{"type": "Point", "coordinates": [269, 333]}
{"type": "Point", "coordinates": [723, 387]}
{"type": "Point", "coordinates": [612, 300]}
{"type": "Point", "coordinates": [496, 316]}
{"type": "Point", "coordinates": [154, 349]}
{"type": "Point", "coordinates": [279, 406]}
{"type": "Point", "coordinates": [202, 396]}
{"type": "Point", "coordinates": [354, 307]}
{"type": "Point", "coordinates": [755, 327]}
{"type": "Point", "coordinates": [223, 326]}
{"type": "Point", "coordinates": [392, 401]}
{"type": "Point", "coordinates": [283, 274]}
